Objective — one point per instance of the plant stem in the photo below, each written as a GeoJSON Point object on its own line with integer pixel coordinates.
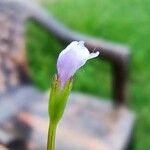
{"type": "Point", "coordinates": [51, 136]}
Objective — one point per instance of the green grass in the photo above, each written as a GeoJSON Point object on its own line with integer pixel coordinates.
{"type": "Point", "coordinates": [123, 21]}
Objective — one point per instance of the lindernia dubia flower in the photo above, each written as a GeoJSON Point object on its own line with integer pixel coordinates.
{"type": "Point", "coordinates": [74, 56]}
{"type": "Point", "coordinates": [71, 59]}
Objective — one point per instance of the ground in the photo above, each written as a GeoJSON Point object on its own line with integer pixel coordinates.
{"type": "Point", "coordinates": [121, 21]}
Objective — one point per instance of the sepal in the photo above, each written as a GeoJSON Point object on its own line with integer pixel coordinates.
{"type": "Point", "coordinates": [58, 99]}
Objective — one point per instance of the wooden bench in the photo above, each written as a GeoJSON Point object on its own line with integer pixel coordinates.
{"type": "Point", "coordinates": [89, 123]}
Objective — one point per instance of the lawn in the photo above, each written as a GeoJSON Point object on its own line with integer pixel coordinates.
{"type": "Point", "coordinates": [123, 21]}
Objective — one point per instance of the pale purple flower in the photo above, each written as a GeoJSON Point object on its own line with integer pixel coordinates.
{"type": "Point", "coordinates": [71, 59]}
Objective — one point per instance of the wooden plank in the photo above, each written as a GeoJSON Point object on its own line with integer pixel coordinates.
{"type": "Point", "coordinates": [6, 137]}
{"type": "Point", "coordinates": [3, 148]}
{"type": "Point", "coordinates": [16, 100]}
{"type": "Point", "coordinates": [87, 124]}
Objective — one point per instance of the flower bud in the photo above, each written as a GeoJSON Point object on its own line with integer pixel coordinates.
{"type": "Point", "coordinates": [71, 59]}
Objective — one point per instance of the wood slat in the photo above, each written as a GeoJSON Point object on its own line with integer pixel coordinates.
{"type": "Point", "coordinates": [88, 124]}
{"type": "Point", "coordinates": [3, 148]}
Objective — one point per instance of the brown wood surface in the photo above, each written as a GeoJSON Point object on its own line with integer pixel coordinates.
{"type": "Point", "coordinates": [13, 63]}
{"type": "Point", "coordinates": [3, 148]}
{"type": "Point", "coordinates": [89, 123]}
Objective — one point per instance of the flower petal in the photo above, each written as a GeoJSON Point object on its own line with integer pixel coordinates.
{"type": "Point", "coordinates": [71, 59]}
{"type": "Point", "coordinates": [93, 55]}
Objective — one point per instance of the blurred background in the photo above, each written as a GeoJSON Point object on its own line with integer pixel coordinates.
{"type": "Point", "coordinates": [122, 21]}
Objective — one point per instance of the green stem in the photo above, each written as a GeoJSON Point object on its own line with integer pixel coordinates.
{"type": "Point", "coordinates": [51, 137]}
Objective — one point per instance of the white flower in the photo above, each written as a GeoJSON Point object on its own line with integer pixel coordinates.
{"type": "Point", "coordinates": [71, 59]}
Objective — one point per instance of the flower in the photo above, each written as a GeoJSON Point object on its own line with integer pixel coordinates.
{"type": "Point", "coordinates": [71, 59]}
